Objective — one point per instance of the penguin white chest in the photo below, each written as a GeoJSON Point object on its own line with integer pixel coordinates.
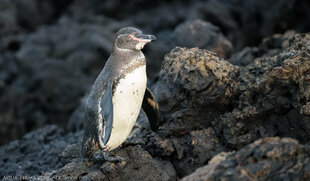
{"type": "Point", "coordinates": [127, 101]}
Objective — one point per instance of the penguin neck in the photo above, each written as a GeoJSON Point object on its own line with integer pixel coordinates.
{"type": "Point", "coordinates": [126, 56]}
{"type": "Point", "coordinates": [118, 50]}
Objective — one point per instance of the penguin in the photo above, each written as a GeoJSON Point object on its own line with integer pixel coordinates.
{"type": "Point", "coordinates": [116, 97]}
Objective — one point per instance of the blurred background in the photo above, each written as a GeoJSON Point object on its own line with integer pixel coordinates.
{"type": "Point", "coordinates": [52, 50]}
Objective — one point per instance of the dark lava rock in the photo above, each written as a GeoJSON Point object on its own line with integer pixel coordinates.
{"type": "Point", "coordinates": [139, 165]}
{"type": "Point", "coordinates": [49, 154]}
{"type": "Point", "coordinates": [270, 46]}
{"type": "Point", "coordinates": [273, 92]}
{"type": "Point", "coordinates": [266, 13]}
{"type": "Point", "coordinates": [266, 159]}
{"type": "Point", "coordinates": [54, 46]}
{"type": "Point", "coordinates": [190, 34]}
{"type": "Point", "coordinates": [209, 104]}
{"type": "Point", "coordinates": [51, 52]}
{"type": "Point", "coordinates": [37, 152]}
{"type": "Point", "coordinates": [49, 73]}
{"type": "Point", "coordinates": [27, 15]}
{"type": "Point", "coordinates": [8, 19]}
{"type": "Point", "coordinates": [203, 35]}
{"type": "Point", "coordinates": [32, 13]}
{"type": "Point", "coordinates": [246, 23]}
{"type": "Point", "coordinates": [194, 87]}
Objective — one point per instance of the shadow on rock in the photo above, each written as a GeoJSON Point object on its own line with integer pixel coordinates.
{"type": "Point", "coordinates": [208, 106]}
{"type": "Point", "coordinates": [266, 159]}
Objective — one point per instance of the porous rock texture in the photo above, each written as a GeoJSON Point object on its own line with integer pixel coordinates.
{"type": "Point", "coordinates": [51, 51]}
{"type": "Point", "coordinates": [266, 159]}
{"type": "Point", "coordinates": [232, 106]}
{"type": "Point", "coordinates": [49, 154]}
{"type": "Point", "coordinates": [208, 106]}
{"type": "Point", "coordinates": [37, 152]}
{"type": "Point", "coordinates": [138, 165]}
{"type": "Point", "coordinates": [194, 87]}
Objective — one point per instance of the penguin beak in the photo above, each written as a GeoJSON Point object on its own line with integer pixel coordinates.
{"type": "Point", "coordinates": [144, 38]}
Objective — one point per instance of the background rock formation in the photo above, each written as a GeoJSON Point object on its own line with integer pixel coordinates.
{"type": "Point", "coordinates": [256, 86]}
{"type": "Point", "coordinates": [51, 51]}
{"type": "Point", "coordinates": [209, 106]}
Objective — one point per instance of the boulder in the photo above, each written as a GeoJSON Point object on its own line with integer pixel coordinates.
{"type": "Point", "coordinates": [208, 106]}
{"type": "Point", "coordinates": [48, 153]}
{"type": "Point", "coordinates": [37, 152]}
{"type": "Point", "coordinates": [207, 101]}
{"type": "Point", "coordinates": [203, 35]}
{"type": "Point", "coordinates": [271, 158]}
{"type": "Point", "coordinates": [194, 85]}
{"type": "Point", "coordinates": [270, 46]}
{"type": "Point", "coordinates": [138, 165]}
{"type": "Point", "coordinates": [48, 72]}
{"type": "Point", "coordinates": [273, 92]}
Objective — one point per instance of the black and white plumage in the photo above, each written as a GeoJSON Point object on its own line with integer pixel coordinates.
{"type": "Point", "coordinates": [118, 93]}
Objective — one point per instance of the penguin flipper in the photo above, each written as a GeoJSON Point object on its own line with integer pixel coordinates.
{"type": "Point", "coordinates": [107, 112]}
{"type": "Point", "coordinates": [151, 109]}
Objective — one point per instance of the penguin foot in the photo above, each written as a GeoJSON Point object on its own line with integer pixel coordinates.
{"type": "Point", "coordinates": [112, 158]}
{"type": "Point", "coordinates": [104, 156]}
{"type": "Point", "coordinates": [133, 143]}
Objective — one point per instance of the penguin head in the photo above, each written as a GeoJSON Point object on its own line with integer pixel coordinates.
{"type": "Point", "coordinates": [131, 39]}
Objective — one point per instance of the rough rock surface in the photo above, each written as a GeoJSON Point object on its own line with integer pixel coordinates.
{"type": "Point", "coordinates": [266, 159]}
{"type": "Point", "coordinates": [192, 80]}
{"type": "Point", "coordinates": [37, 152]}
{"type": "Point", "coordinates": [273, 92]}
{"type": "Point", "coordinates": [194, 87]}
{"type": "Point", "coordinates": [208, 106]}
{"type": "Point", "coordinates": [138, 165]}
{"type": "Point", "coordinates": [48, 153]}
{"type": "Point", "coordinates": [192, 33]}
{"type": "Point", "coordinates": [52, 51]}
{"type": "Point", "coordinates": [67, 42]}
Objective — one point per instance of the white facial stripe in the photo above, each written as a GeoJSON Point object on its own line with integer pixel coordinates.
{"type": "Point", "coordinates": [140, 40]}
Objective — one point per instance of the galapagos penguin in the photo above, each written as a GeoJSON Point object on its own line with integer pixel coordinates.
{"type": "Point", "coordinates": [117, 95]}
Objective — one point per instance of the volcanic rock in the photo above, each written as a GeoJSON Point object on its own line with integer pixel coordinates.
{"type": "Point", "coordinates": [208, 101]}
{"type": "Point", "coordinates": [266, 159]}
{"type": "Point", "coordinates": [203, 35]}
